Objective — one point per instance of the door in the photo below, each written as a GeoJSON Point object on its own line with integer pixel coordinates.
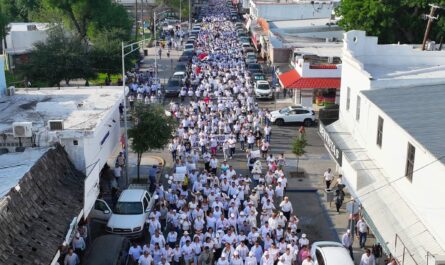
{"type": "Point", "coordinates": [292, 116]}
{"type": "Point", "coordinates": [101, 211]}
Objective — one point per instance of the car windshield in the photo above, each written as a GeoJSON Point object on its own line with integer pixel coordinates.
{"type": "Point", "coordinates": [263, 87]}
{"type": "Point", "coordinates": [251, 56]}
{"type": "Point", "coordinates": [259, 77]}
{"type": "Point", "coordinates": [254, 66]}
{"type": "Point", "coordinates": [173, 82]}
{"type": "Point", "coordinates": [285, 110]}
{"type": "Point", "coordinates": [129, 208]}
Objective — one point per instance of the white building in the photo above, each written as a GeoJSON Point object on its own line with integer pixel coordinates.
{"type": "Point", "coordinates": [389, 145]}
{"type": "Point", "coordinates": [85, 121]}
{"type": "Point", "coordinates": [21, 39]}
{"type": "Point", "coordinates": [291, 9]}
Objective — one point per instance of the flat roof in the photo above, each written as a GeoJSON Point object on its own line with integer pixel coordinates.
{"type": "Point", "coordinates": [79, 108]}
{"type": "Point", "coordinates": [401, 72]}
{"type": "Point", "coordinates": [13, 166]}
{"type": "Point", "coordinates": [23, 26]}
{"type": "Point", "coordinates": [416, 110]}
{"type": "Point", "coordinates": [332, 51]}
{"type": "Point", "coordinates": [300, 23]}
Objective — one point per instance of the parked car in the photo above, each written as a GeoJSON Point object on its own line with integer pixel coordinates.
{"type": "Point", "coordinates": [189, 47]}
{"type": "Point", "coordinates": [332, 253]}
{"type": "Point", "coordinates": [129, 215]}
{"type": "Point", "coordinates": [293, 114]}
{"type": "Point", "coordinates": [251, 58]}
{"type": "Point", "coordinates": [173, 87]}
{"type": "Point", "coordinates": [108, 250]}
{"type": "Point", "coordinates": [254, 68]}
{"type": "Point", "coordinates": [262, 89]}
{"type": "Point", "coordinates": [186, 56]}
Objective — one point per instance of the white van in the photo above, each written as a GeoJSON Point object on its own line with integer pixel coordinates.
{"type": "Point", "coordinates": [130, 214]}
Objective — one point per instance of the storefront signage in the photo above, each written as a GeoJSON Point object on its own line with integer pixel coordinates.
{"type": "Point", "coordinates": [330, 145]}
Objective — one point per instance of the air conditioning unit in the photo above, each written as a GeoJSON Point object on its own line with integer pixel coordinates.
{"type": "Point", "coordinates": [22, 129]}
{"type": "Point", "coordinates": [55, 125]}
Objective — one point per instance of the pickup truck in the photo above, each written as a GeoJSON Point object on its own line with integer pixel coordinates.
{"type": "Point", "coordinates": [130, 213]}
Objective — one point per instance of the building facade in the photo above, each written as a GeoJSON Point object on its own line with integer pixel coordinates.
{"type": "Point", "coordinates": [388, 143]}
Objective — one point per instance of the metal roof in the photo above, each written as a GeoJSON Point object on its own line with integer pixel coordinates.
{"type": "Point", "coordinates": [417, 110]}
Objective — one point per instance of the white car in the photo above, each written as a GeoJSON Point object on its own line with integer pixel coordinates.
{"type": "Point", "coordinates": [293, 114]}
{"type": "Point", "coordinates": [262, 89]}
{"type": "Point", "coordinates": [332, 253]}
{"type": "Point", "coordinates": [130, 214]}
{"type": "Point", "coordinates": [189, 47]}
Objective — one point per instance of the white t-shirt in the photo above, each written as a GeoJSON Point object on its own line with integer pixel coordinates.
{"type": "Point", "coordinates": [328, 176]}
{"type": "Point", "coordinates": [145, 260]}
{"type": "Point", "coordinates": [135, 252]}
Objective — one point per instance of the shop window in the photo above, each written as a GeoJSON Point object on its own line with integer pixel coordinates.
{"type": "Point", "coordinates": [380, 131]}
{"type": "Point", "coordinates": [348, 98]}
{"type": "Point", "coordinates": [357, 109]}
{"type": "Point", "coordinates": [409, 168]}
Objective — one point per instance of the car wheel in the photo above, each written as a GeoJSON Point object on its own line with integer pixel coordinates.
{"type": "Point", "coordinates": [308, 122]}
{"type": "Point", "coordinates": [279, 122]}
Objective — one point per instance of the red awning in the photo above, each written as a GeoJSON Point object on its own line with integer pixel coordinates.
{"type": "Point", "coordinates": [293, 80]}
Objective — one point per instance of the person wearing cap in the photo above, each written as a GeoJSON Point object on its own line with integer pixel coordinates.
{"type": "Point", "coordinates": [185, 237]}
{"type": "Point", "coordinates": [266, 259]}
{"type": "Point", "coordinates": [153, 225]}
{"type": "Point", "coordinates": [346, 241]}
{"type": "Point", "coordinates": [303, 241]}
{"type": "Point", "coordinates": [223, 260]}
{"type": "Point", "coordinates": [286, 207]}
{"type": "Point", "coordinates": [236, 259]}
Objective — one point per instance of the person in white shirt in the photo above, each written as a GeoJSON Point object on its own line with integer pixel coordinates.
{"type": "Point", "coordinates": [303, 241]}
{"type": "Point", "coordinates": [367, 258]}
{"type": "Point", "coordinates": [135, 252]}
{"type": "Point", "coordinates": [187, 253]}
{"type": "Point", "coordinates": [223, 260]}
{"type": "Point", "coordinates": [266, 259]}
{"type": "Point", "coordinates": [307, 261]}
{"type": "Point", "coordinates": [362, 231]}
{"type": "Point", "coordinates": [145, 259]}
{"type": "Point", "coordinates": [251, 260]}
{"type": "Point", "coordinates": [328, 177]}
{"type": "Point", "coordinates": [286, 207]}
{"type": "Point", "coordinates": [346, 241]}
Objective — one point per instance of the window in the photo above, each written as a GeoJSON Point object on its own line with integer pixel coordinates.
{"type": "Point", "coordinates": [357, 110]}
{"type": "Point", "coordinates": [319, 256]}
{"type": "Point", "coordinates": [380, 131]}
{"type": "Point", "coordinates": [145, 203]}
{"type": "Point", "coordinates": [410, 162]}
{"type": "Point", "coordinates": [348, 98]}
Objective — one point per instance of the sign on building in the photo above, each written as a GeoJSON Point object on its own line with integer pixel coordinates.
{"type": "Point", "coordinates": [332, 147]}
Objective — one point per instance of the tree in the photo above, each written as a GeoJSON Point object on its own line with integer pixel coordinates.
{"type": "Point", "coordinates": [298, 146]}
{"type": "Point", "coordinates": [61, 57]}
{"type": "Point", "coordinates": [152, 130]}
{"type": "Point", "coordinates": [392, 21]}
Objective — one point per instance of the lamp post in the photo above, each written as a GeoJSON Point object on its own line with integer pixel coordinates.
{"type": "Point", "coordinates": [133, 47]}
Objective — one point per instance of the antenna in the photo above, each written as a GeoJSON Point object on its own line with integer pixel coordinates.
{"type": "Point", "coordinates": [430, 18]}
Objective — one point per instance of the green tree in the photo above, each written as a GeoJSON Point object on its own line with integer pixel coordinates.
{"type": "Point", "coordinates": [152, 130]}
{"type": "Point", "coordinates": [61, 57]}
{"type": "Point", "coordinates": [298, 146]}
{"type": "Point", "coordinates": [391, 20]}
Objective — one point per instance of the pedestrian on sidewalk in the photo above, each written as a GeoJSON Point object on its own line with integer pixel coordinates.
{"type": "Point", "coordinates": [328, 177]}
{"type": "Point", "coordinates": [347, 241]}
{"type": "Point", "coordinates": [367, 258]}
{"type": "Point", "coordinates": [362, 231]}
{"type": "Point", "coordinates": [339, 198]}
{"type": "Point", "coordinates": [117, 173]}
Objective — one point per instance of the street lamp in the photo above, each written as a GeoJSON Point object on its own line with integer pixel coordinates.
{"type": "Point", "coordinates": [133, 47]}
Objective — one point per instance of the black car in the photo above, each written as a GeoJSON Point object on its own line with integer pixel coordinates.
{"type": "Point", "coordinates": [173, 87]}
{"type": "Point", "coordinates": [108, 250]}
{"type": "Point", "coordinates": [254, 68]}
{"type": "Point", "coordinates": [186, 56]}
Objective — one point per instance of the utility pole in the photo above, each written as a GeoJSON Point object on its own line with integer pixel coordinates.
{"type": "Point", "coordinates": [142, 18]}
{"type": "Point", "coordinates": [430, 18]}
{"type": "Point", "coordinates": [180, 12]}
{"type": "Point", "coordinates": [136, 20]}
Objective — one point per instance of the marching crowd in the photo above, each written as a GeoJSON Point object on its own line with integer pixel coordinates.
{"type": "Point", "coordinates": [209, 213]}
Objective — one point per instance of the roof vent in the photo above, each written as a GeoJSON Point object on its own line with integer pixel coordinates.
{"type": "Point", "coordinates": [55, 125]}
{"type": "Point", "coordinates": [22, 129]}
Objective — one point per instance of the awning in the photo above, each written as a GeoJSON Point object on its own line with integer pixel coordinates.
{"type": "Point", "coordinates": [293, 80]}
{"type": "Point", "coordinates": [386, 212]}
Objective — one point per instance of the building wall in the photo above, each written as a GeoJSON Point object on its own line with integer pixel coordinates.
{"type": "Point", "coordinates": [289, 11]}
{"type": "Point", "coordinates": [279, 55]}
{"type": "Point", "coordinates": [304, 69]}
{"type": "Point", "coordinates": [2, 76]}
{"type": "Point", "coordinates": [24, 40]}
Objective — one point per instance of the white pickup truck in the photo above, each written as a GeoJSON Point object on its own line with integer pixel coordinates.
{"type": "Point", "coordinates": [130, 214]}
